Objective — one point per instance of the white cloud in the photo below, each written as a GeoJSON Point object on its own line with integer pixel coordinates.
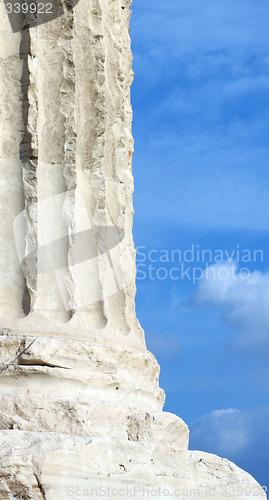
{"type": "Point", "coordinates": [228, 434]}
{"type": "Point", "coordinates": [239, 435]}
{"type": "Point", "coordinates": [243, 303]}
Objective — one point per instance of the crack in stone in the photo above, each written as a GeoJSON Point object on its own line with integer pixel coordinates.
{"type": "Point", "coordinates": [40, 486]}
{"type": "Point", "coordinates": [17, 357]}
{"type": "Point", "coordinates": [31, 363]}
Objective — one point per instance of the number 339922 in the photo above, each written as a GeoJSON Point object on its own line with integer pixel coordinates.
{"type": "Point", "coordinates": [33, 8]}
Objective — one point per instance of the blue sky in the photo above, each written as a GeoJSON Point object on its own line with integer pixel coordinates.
{"type": "Point", "coordinates": [201, 114]}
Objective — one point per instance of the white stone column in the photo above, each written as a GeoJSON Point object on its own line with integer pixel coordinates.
{"type": "Point", "coordinates": [12, 281]}
{"type": "Point", "coordinates": [67, 134]}
{"type": "Point", "coordinates": [72, 107]}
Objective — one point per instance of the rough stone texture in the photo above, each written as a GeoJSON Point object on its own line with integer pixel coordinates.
{"type": "Point", "coordinates": [81, 406]}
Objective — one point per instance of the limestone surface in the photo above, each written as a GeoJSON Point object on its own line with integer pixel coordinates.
{"type": "Point", "coordinates": [80, 404]}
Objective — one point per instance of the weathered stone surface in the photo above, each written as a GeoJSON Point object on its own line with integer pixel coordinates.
{"type": "Point", "coordinates": [60, 466]}
{"type": "Point", "coordinates": [80, 403]}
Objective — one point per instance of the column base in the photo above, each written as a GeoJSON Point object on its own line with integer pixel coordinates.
{"type": "Point", "coordinates": [52, 466]}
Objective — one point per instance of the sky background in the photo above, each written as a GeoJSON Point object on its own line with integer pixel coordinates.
{"type": "Point", "coordinates": [201, 129]}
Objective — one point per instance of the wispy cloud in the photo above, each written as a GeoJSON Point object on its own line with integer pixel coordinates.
{"type": "Point", "coordinates": [228, 431]}
{"type": "Point", "coordinates": [201, 105]}
{"type": "Point", "coordinates": [239, 435]}
{"type": "Point", "coordinates": [207, 25]}
{"type": "Point", "coordinates": [243, 304]}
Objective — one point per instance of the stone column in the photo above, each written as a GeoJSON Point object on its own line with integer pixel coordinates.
{"type": "Point", "coordinates": [67, 129]}
{"type": "Point", "coordinates": [80, 400]}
